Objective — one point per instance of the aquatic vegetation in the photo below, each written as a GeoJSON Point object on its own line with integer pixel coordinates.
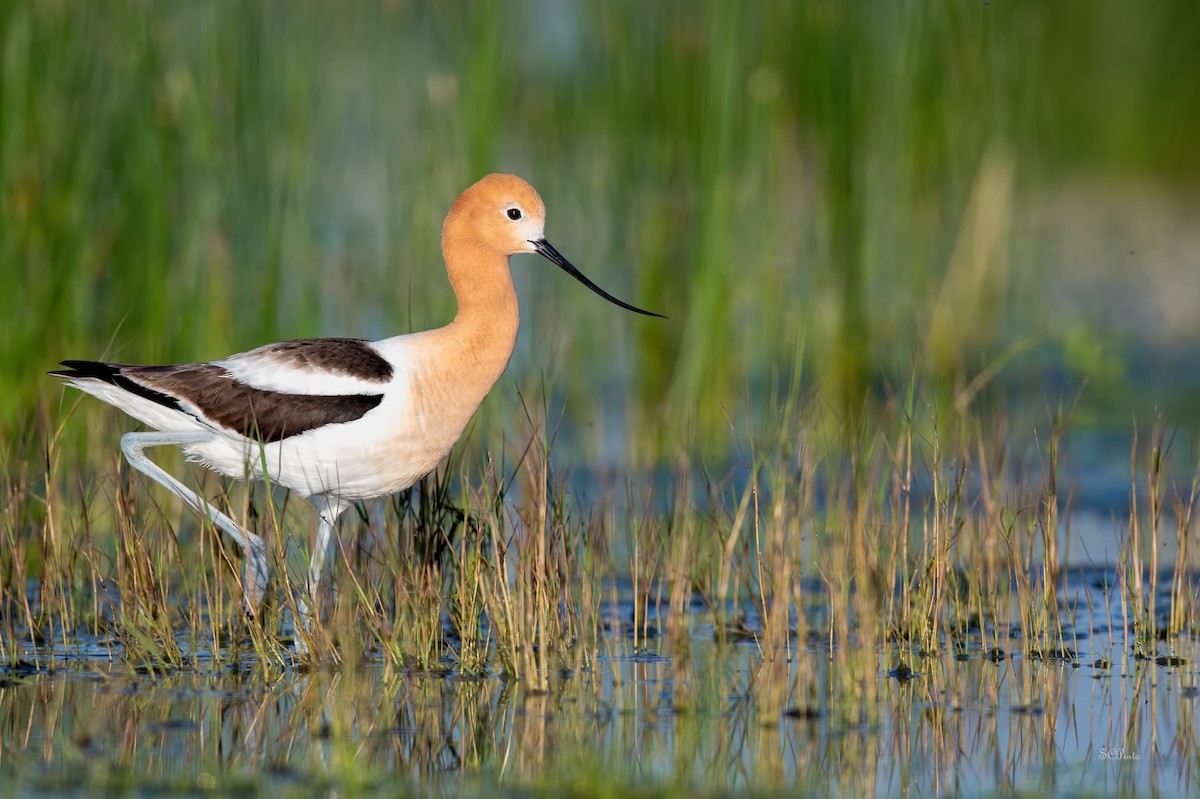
{"type": "Point", "coordinates": [830, 600]}
{"type": "Point", "coordinates": [873, 496]}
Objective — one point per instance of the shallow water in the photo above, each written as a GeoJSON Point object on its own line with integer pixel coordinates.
{"type": "Point", "coordinates": [687, 714]}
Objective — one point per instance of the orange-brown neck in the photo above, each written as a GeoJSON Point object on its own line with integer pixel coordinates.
{"type": "Point", "coordinates": [484, 330]}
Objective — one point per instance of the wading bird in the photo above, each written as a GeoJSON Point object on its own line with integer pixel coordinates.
{"type": "Point", "coordinates": [338, 420]}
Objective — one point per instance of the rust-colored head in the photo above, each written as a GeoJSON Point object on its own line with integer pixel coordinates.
{"type": "Point", "coordinates": [501, 212]}
{"type": "Point", "coordinates": [503, 215]}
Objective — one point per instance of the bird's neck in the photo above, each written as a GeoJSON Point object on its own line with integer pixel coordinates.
{"type": "Point", "coordinates": [485, 328]}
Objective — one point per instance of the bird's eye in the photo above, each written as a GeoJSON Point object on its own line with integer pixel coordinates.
{"type": "Point", "coordinates": [514, 214]}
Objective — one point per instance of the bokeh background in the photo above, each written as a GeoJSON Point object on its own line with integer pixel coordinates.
{"type": "Point", "coordinates": [999, 198]}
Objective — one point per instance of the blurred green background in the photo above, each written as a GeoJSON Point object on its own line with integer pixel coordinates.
{"type": "Point", "coordinates": [1000, 197]}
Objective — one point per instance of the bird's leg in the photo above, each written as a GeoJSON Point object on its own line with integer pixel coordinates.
{"type": "Point", "coordinates": [328, 513]}
{"type": "Point", "coordinates": [257, 572]}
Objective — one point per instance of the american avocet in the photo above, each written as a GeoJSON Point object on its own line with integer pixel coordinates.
{"type": "Point", "coordinates": [339, 420]}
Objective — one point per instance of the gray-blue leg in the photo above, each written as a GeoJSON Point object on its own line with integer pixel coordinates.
{"type": "Point", "coordinates": [257, 571]}
{"type": "Point", "coordinates": [328, 511]}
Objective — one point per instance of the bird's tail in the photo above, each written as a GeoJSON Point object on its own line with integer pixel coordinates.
{"type": "Point", "coordinates": [82, 370]}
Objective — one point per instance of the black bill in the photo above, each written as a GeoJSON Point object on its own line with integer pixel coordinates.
{"type": "Point", "coordinates": [547, 251]}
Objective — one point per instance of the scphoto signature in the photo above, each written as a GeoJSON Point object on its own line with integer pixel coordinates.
{"type": "Point", "coordinates": [1118, 754]}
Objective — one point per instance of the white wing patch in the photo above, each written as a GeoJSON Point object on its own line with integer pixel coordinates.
{"type": "Point", "coordinates": [287, 369]}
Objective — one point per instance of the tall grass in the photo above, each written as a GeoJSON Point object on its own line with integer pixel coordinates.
{"type": "Point", "coordinates": [919, 533]}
